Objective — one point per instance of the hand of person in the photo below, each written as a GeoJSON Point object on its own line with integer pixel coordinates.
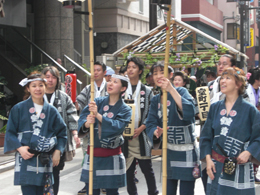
{"type": "Point", "coordinates": [165, 84]}
{"type": "Point", "coordinates": [158, 132]}
{"type": "Point", "coordinates": [93, 107]}
{"type": "Point", "coordinates": [243, 157]}
{"type": "Point", "coordinates": [90, 120]}
{"type": "Point", "coordinates": [77, 105]}
{"type": "Point", "coordinates": [137, 132]}
{"type": "Point", "coordinates": [210, 168]}
{"type": "Point", "coordinates": [77, 140]}
{"type": "Point", "coordinates": [23, 150]}
{"type": "Point", "coordinates": [56, 158]}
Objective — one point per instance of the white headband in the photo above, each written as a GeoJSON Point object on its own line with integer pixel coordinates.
{"type": "Point", "coordinates": [124, 78]}
{"type": "Point", "coordinates": [26, 80]}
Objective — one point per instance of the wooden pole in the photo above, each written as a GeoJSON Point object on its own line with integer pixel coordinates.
{"type": "Point", "coordinates": [91, 56]}
{"type": "Point", "coordinates": [166, 62]}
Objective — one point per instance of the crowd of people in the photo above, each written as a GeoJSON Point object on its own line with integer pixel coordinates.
{"type": "Point", "coordinates": [45, 130]}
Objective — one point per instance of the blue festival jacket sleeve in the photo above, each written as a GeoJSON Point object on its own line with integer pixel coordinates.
{"type": "Point", "coordinates": [153, 120]}
{"type": "Point", "coordinates": [11, 136]}
{"type": "Point", "coordinates": [207, 135]}
{"type": "Point", "coordinates": [82, 119]}
{"type": "Point", "coordinates": [254, 143]}
{"type": "Point", "coordinates": [188, 108]}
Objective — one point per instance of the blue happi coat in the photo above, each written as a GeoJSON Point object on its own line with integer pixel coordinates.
{"type": "Point", "coordinates": [108, 172]}
{"type": "Point", "coordinates": [181, 153]}
{"type": "Point", "coordinates": [43, 134]}
{"type": "Point", "coordinates": [235, 133]}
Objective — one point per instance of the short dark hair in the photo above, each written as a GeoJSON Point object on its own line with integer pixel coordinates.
{"type": "Point", "coordinates": [140, 63]}
{"type": "Point", "coordinates": [55, 72]}
{"type": "Point", "coordinates": [161, 65]}
{"type": "Point", "coordinates": [232, 59]}
{"type": "Point", "coordinates": [183, 76]}
{"type": "Point", "coordinates": [213, 74]}
{"type": "Point", "coordinates": [148, 74]}
{"type": "Point", "coordinates": [124, 84]}
{"type": "Point", "coordinates": [122, 70]}
{"type": "Point", "coordinates": [104, 67]}
{"type": "Point", "coordinates": [255, 75]}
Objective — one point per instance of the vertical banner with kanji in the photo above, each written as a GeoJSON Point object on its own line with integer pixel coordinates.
{"type": "Point", "coordinates": [203, 100]}
{"type": "Point", "coordinates": [130, 128]}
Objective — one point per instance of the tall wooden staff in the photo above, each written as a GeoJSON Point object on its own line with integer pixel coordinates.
{"type": "Point", "coordinates": [91, 56]}
{"type": "Point", "coordinates": [166, 62]}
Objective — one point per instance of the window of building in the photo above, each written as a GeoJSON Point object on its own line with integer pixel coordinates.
{"type": "Point", "coordinates": [141, 6]}
{"type": "Point", "coordinates": [231, 0]}
{"type": "Point", "coordinates": [231, 30]}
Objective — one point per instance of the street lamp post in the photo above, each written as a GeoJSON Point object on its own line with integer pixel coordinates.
{"type": "Point", "coordinates": [242, 43]}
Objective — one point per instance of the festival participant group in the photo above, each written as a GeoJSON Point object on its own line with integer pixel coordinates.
{"type": "Point", "coordinates": [45, 129]}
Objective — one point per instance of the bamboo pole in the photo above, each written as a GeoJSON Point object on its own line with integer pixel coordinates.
{"type": "Point", "coordinates": [91, 56]}
{"type": "Point", "coordinates": [166, 62]}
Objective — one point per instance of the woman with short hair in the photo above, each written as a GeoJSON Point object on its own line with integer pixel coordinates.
{"type": "Point", "coordinates": [230, 139]}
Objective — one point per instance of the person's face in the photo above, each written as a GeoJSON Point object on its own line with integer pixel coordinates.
{"type": "Point", "coordinates": [224, 62]}
{"type": "Point", "coordinates": [178, 81]}
{"type": "Point", "coordinates": [36, 89]}
{"type": "Point", "coordinates": [133, 70]}
{"type": "Point", "coordinates": [98, 73]}
{"type": "Point", "coordinates": [114, 86]}
{"type": "Point", "coordinates": [228, 84]}
{"type": "Point", "coordinates": [107, 77]}
{"type": "Point", "coordinates": [210, 78]}
{"type": "Point", "coordinates": [59, 61]}
{"type": "Point", "coordinates": [51, 80]}
{"type": "Point", "coordinates": [158, 74]}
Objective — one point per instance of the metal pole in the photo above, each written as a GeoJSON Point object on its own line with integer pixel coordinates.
{"type": "Point", "coordinates": [82, 34]}
{"type": "Point", "coordinates": [242, 43]}
{"type": "Point", "coordinates": [91, 57]}
{"type": "Point", "coordinates": [165, 118]}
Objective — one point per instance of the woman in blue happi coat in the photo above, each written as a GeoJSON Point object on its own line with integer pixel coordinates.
{"type": "Point", "coordinates": [231, 132]}
{"type": "Point", "coordinates": [110, 117]}
{"type": "Point", "coordinates": [182, 155]}
{"type": "Point", "coordinates": [36, 131]}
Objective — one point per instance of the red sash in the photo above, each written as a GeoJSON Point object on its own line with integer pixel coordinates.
{"type": "Point", "coordinates": [105, 152]}
{"type": "Point", "coordinates": [217, 157]}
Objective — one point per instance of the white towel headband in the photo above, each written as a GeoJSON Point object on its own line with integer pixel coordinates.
{"type": "Point", "coordinates": [26, 80]}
